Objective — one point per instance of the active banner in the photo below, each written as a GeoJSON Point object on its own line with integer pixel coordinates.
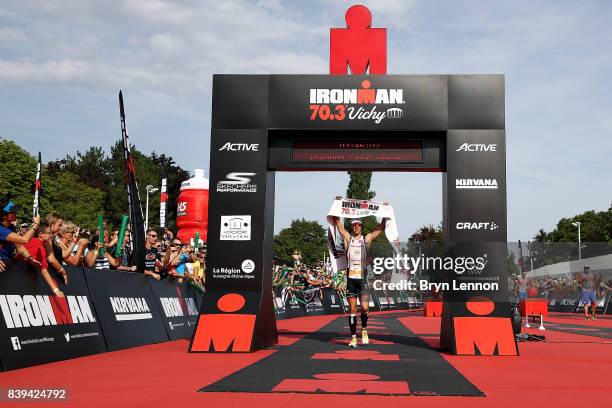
{"type": "Point", "coordinates": [179, 306]}
{"type": "Point", "coordinates": [38, 327]}
{"type": "Point", "coordinates": [126, 307]}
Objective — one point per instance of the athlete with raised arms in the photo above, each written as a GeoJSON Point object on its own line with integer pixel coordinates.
{"type": "Point", "coordinates": [356, 247]}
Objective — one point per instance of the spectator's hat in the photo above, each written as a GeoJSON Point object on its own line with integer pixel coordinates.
{"type": "Point", "coordinates": [7, 206]}
{"type": "Point", "coordinates": [24, 225]}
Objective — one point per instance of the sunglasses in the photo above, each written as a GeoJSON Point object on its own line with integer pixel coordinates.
{"type": "Point", "coordinates": [174, 244]}
{"type": "Point", "coordinates": [153, 235]}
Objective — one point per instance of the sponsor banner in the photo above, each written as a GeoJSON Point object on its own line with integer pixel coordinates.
{"type": "Point", "coordinates": [332, 301]}
{"type": "Point", "coordinates": [314, 302]}
{"type": "Point", "coordinates": [280, 294]}
{"type": "Point", "coordinates": [476, 184]}
{"type": "Point", "coordinates": [178, 303]}
{"type": "Point", "coordinates": [400, 298]}
{"type": "Point", "coordinates": [565, 304]}
{"type": "Point", "coordinates": [574, 304]}
{"type": "Point", "coordinates": [601, 303]}
{"type": "Point", "coordinates": [235, 228]}
{"type": "Point", "coordinates": [126, 307]}
{"type": "Point", "coordinates": [279, 308]}
{"type": "Point", "coordinates": [358, 102]}
{"type": "Point", "coordinates": [244, 272]}
{"type": "Point", "coordinates": [476, 195]}
{"type": "Point", "coordinates": [37, 327]}
{"type": "Point", "coordinates": [295, 305]}
{"type": "Point", "coordinates": [237, 182]}
{"type": "Point", "coordinates": [386, 300]}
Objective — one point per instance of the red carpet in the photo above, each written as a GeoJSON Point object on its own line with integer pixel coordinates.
{"type": "Point", "coordinates": [567, 370]}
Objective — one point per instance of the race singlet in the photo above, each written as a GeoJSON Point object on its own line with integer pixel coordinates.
{"type": "Point", "coordinates": [356, 256]}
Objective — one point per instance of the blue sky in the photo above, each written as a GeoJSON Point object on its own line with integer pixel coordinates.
{"type": "Point", "coordinates": [62, 63]}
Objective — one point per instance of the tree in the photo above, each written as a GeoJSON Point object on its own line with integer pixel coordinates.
{"type": "Point", "coordinates": [17, 177]}
{"type": "Point", "coordinates": [308, 237]}
{"type": "Point", "coordinates": [512, 265]}
{"type": "Point", "coordinates": [359, 189]}
{"type": "Point", "coordinates": [73, 200]}
{"type": "Point", "coordinates": [561, 244]}
{"type": "Point", "coordinates": [149, 170]}
{"type": "Point", "coordinates": [106, 173]}
{"type": "Point", "coordinates": [92, 168]}
{"type": "Point", "coordinates": [427, 240]}
{"type": "Point", "coordinates": [166, 167]}
{"type": "Point", "coordinates": [428, 233]}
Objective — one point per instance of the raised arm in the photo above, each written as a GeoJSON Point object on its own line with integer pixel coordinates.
{"type": "Point", "coordinates": [15, 238]}
{"type": "Point", "coordinates": [345, 235]}
{"type": "Point", "coordinates": [377, 231]}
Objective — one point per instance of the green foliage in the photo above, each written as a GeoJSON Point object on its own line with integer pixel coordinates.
{"type": "Point", "coordinates": [359, 189]}
{"type": "Point", "coordinates": [149, 170]}
{"type": "Point", "coordinates": [427, 240]}
{"type": "Point", "coordinates": [561, 244]}
{"type": "Point", "coordinates": [82, 186]}
{"type": "Point", "coordinates": [513, 268]}
{"type": "Point", "coordinates": [428, 233]}
{"type": "Point", "coordinates": [359, 185]}
{"type": "Point", "coordinates": [73, 200]}
{"type": "Point", "coordinates": [17, 177]}
{"type": "Point", "coordinates": [309, 237]}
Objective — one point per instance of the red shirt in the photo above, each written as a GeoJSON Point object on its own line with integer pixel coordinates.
{"type": "Point", "coordinates": [36, 248]}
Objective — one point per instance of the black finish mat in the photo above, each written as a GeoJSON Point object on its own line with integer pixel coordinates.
{"type": "Point", "coordinates": [586, 330]}
{"type": "Point", "coordinates": [397, 363]}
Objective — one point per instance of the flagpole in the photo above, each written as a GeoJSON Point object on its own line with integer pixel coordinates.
{"type": "Point", "coordinates": [163, 197]}
{"type": "Point", "coordinates": [137, 233]}
{"type": "Point", "coordinates": [36, 206]}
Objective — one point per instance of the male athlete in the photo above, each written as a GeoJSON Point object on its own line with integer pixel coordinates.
{"type": "Point", "coordinates": [356, 247]}
{"type": "Point", "coordinates": [589, 297]}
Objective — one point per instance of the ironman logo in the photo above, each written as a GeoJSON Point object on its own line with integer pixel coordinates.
{"type": "Point", "coordinates": [356, 104]}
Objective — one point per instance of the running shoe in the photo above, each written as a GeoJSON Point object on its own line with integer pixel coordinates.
{"type": "Point", "coordinates": [593, 317]}
{"type": "Point", "coordinates": [364, 337]}
{"type": "Point", "coordinates": [353, 342]}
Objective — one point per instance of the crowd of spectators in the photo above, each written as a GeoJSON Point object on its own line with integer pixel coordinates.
{"type": "Point", "coordinates": [301, 281]}
{"type": "Point", "coordinates": [559, 286]}
{"type": "Point", "coordinates": [52, 243]}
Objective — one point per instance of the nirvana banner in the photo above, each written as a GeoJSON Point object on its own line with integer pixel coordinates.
{"type": "Point", "coordinates": [38, 327]}
{"type": "Point", "coordinates": [126, 307]}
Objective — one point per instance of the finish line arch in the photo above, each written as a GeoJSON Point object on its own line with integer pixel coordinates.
{"type": "Point", "coordinates": [453, 124]}
{"type": "Point", "coordinates": [263, 123]}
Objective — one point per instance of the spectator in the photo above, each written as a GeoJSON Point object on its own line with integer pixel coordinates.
{"type": "Point", "coordinates": [23, 228]}
{"type": "Point", "coordinates": [125, 257]}
{"type": "Point", "coordinates": [185, 267]}
{"type": "Point", "coordinates": [176, 258]}
{"type": "Point", "coordinates": [153, 265]}
{"type": "Point", "coordinates": [79, 250]}
{"type": "Point", "coordinates": [94, 258]}
{"type": "Point", "coordinates": [54, 222]}
{"type": "Point", "coordinates": [199, 268]}
{"type": "Point", "coordinates": [10, 241]}
{"type": "Point", "coordinates": [68, 246]}
{"type": "Point", "coordinates": [166, 239]}
{"type": "Point", "coordinates": [38, 257]}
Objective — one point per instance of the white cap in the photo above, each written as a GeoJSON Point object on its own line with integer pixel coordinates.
{"type": "Point", "coordinates": [356, 221]}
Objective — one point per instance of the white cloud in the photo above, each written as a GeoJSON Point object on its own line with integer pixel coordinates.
{"type": "Point", "coordinates": [163, 53]}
